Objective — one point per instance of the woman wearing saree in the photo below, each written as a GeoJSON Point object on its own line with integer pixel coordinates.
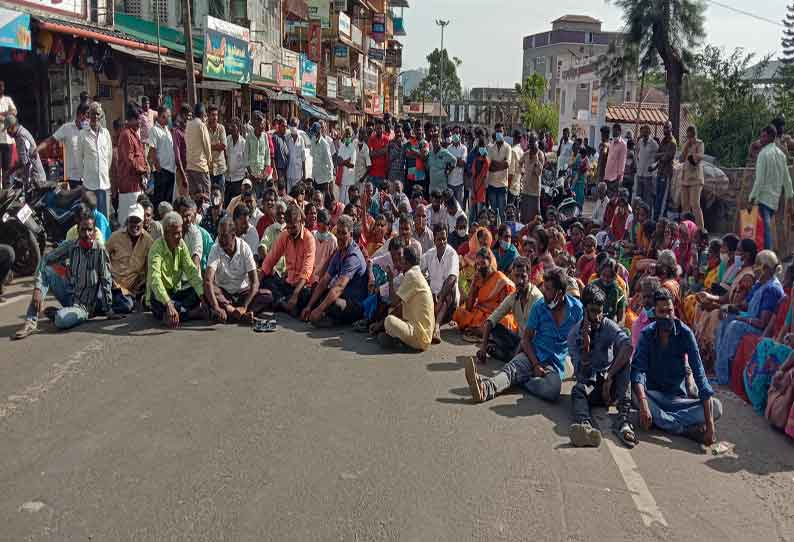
{"type": "Point", "coordinates": [711, 280]}
{"type": "Point", "coordinates": [488, 290]}
{"type": "Point", "coordinates": [707, 314]}
{"type": "Point", "coordinates": [686, 250]}
{"type": "Point", "coordinates": [529, 250]}
{"type": "Point", "coordinates": [586, 264]}
{"type": "Point", "coordinates": [638, 242]}
{"type": "Point", "coordinates": [477, 240]}
{"type": "Point", "coordinates": [762, 305]}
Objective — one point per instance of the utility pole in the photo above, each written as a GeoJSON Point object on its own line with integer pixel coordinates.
{"type": "Point", "coordinates": [443, 24]}
{"type": "Point", "coordinates": [159, 56]}
{"type": "Point", "coordinates": [187, 25]}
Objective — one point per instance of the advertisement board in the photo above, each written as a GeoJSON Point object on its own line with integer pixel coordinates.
{"type": "Point", "coordinates": [14, 29]}
{"type": "Point", "coordinates": [73, 8]}
{"type": "Point", "coordinates": [320, 10]}
{"type": "Point", "coordinates": [341, 56]}
{"type": "Point", "coordinates": [226, 54]}
{"type": "Point", "coordinates": [314, 49]}
{"type": "Point", "coordinates": [308, 76]}
{"type": "Point", "coordinates": [331, 86]}
{"type": "Point", "coordinates": [344, 24]}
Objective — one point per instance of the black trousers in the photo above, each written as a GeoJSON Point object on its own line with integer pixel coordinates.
{"type": "Point", "coordinates": [7, 258]}
{"type": "Point", "coordinates": [163, 187]}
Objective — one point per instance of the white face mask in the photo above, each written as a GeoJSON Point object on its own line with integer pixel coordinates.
{"type": "Point", "coordinates": [724, 257]}
{"type": "Point", "coordinates": [216, 201]}
{"type": "Point", "coordinates": [462, 232]}
{"type": "Point", "coordinates": [293, 130]}
{"type": "Point", "coordinates": [554, 304]}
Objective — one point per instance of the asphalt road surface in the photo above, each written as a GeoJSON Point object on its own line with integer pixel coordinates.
{"type": "Point", "coordinates": [124, 431]}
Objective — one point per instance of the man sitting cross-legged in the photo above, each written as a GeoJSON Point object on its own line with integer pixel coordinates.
{"type": "Point", "coordinates": [658, 372]}
{"type": "Point", "coordinates": [296, 244]}
{"type": "Point", "coordinates": [600, 352]}
{"type": "Point", "coordinates": [338, 296]}
{"type": "Point", "coordinates": [169, 262]}
{"type": "Point", "coordinates": [77, 273]}
{"type": "Point", "coordinates": [498, 341]}
{"type": "Point", "coordinates": [411, 320]}
{"type": "Point", "coordinates": [128, 250]}
{"type": "Point", "coordinates": [232, 280]}
{"type": "Point", "coordinates": [441, 265]}
{"type": "Point", "coordinates": [539, 367]}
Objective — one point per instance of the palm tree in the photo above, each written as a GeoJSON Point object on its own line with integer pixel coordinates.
{"type": "Point", "coordinates": [673, 28]}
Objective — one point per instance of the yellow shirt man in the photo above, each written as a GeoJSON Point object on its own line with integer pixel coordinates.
{"type": "Point", "coordinates": [418, 321]}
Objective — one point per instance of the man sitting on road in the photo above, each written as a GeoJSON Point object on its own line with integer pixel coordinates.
{"type": "Point", "coordinates": [411, 320]}
{"type": "Point", "coordinates": [243, 228]}
{"type": "Point", "coordinates": [324, 245]}
{"type": "Point", "coordinates": [270, 235]}
{"type": "Point", "coordinates": [78, 275]}
{"type": "Point", "coordinates": [88, 201]}
{"type": "Point", "coordinates": [296, 245]}
{"type": "Point", "coordinates": [231, 281]}
{"type": "Point", "coordinates": [186, 207]}
{"type": "Point", "coordinates": [498, 341]}
{"type": "Point", "coordinates": [441, 265]}
{"type": "Point", "coordinates": [600, 352]}
{"type": "Point", "coordinates": [539, 367]}
{"type": "Point", "coordinates": [169, 261]}
{"type": "Point", "coordinates": [338, 296]}
{"type": "Point", "coordinates": [658, 372]}
{"type": "Point", "coordinates": [422, 232]}
{"type": "Point", "coordinates": [128, 250]}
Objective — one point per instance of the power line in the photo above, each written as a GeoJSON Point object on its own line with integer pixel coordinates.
{"type": "Point", "coordinates": [746, 13]}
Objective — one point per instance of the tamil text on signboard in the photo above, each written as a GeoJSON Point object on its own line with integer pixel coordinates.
{"type": "Point", "coordinates": [226, 54]}
{"type": "Point", "coordinates": [308, 77]}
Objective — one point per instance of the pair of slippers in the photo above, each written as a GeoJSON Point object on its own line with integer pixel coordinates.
{"type": "Point", "coordinates": [264, 326]}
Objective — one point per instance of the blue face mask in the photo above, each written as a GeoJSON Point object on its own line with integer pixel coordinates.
{"type": "Point", "coordinates": [322, 235]}
{"type": "Point", "coordinates": [650, 313]}
{"type": "Point", "coordinates": [499, 137]}
{"type": "Point", "coordinates": [455, 138]}
{"type": "Point", "coordinates": [504, 244]}
{"type": "Point", "coordinates": [483, 151]}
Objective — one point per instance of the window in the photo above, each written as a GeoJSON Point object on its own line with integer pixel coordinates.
{"type": "Point", "coordinates": [588, 37]}
{"type": "Point", "coordinates": [540, 64]}
{"type": "Point", "coordinates": [217, 9]}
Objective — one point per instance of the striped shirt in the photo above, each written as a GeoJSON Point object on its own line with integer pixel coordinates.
{"type": "Point", "coordinates": [87, 273]}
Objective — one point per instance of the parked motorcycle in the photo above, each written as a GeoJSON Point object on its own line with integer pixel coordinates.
{"type": "Point", "coordinates": [21, 229]}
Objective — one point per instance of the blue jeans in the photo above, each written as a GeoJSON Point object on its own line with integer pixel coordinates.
{"type": "Point", "coordinates": [519, 372]}
{"type": "Point", "coordinates": [497, 200]}
{"type": "Point", "coordinates": [675, 414]}
{"type": "Point", "coordinates": [660, 197]}
{"type": "Point", "coordinates": [766, 216]}
{"type": "Point", "coordinates": [68, 316]}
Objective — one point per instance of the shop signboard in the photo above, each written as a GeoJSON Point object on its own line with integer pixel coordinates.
{"type": "Point", "coordinates": [72, 8]}
{"type": "Point", "coordinates": [320, 10]}
{"type": "Point", "coordinates": [347, 90]}
{"type": "Point", "coordinates": [314, 50]}
{"type": "Point", "coordinates": [308, 77]}
{"type": "Point", "coordinates": [370, 79]}
{"type": "Point", "coordinates": [341, 56]}
{"type": "Point", "coordinates": [331, 86]}
{"type": "Point", "coordinates": [226, 54]}
{"type": "Point", "coordinates": [286, 76]}
{"type": "Point", "coordinates": [379, 27]}
{"type": "Point", "coordinates": [344, 25]}
{"type": "Point", "coordinates": [394, 58]}
{"type": "Point", "coordinates": [355, 35]}
{"type": "Point", "coordinates": [14, 29]}
{"type": "Point", "coordinates": [375, 53]}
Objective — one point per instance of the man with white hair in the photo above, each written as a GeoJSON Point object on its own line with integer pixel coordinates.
{"type": "Point", "coordinates": [169, 262]}
{"type": "Point", "coordinates": [95, 154]}
{"type": "Point", "coordinates": [128, 249]}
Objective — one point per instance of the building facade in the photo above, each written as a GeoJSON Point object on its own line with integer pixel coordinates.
{"type": "Point", "coordinates": [482, 107]}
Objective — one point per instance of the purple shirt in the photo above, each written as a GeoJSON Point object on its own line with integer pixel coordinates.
{"type": "Point", "coordinates": [616, 160]}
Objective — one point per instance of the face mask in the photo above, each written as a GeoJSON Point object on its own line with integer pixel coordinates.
{"type": "Point", "coordinates": [322, 235]}
{"type": "Point", "coordinates": [216, 201]}
{"type": "Point", "coordinates": [84, 124]}
{"type": "Point", "coordinates": [504, 244]}
{"type": "Point", "coordinates": [456, 138]}
{"type": "Point", "coordinates": [737, 260]}
{"type": "Point", "coordinates": [293, 130]}
{"type": "Point", "coordinates": [499, 137]}
{"type": "Point", "coordinates": [664, 324]}
{"type": "Point", "coordinates": [462, 232]}
{"type": "Point", "coordinates": [483, 151]}
{"type": "Point", "coordinates": [555, 303]}
{"type": "Point", "coordinates": [205, 207]}
{"type": "Point", "coordinates": [650, 313]}
{"type": "Point", "coordinates": [724, 258]}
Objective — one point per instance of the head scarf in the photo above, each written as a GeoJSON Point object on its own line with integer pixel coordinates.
{"type": "Point", "coordinates": [474, 246]}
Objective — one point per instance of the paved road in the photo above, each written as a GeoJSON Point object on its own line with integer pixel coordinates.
{"type": "Point", "coordinates": [124, 431]}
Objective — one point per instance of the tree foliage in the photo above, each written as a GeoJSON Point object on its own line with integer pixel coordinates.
{"type": "Point", "coordinates": [537, 115]}
{"type": "Point", "coordinates": [443, 75]}
{"type": "Point", "coordinates": [729, 111]}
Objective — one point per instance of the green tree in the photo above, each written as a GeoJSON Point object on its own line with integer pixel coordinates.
{"type": "Point", "coordinates": [673, 28]}
{"type": "Point", "coordinates": [443, 75]}
{"type": "Point", "coordinates": [729, 111]}
{"type": "Point", "coordinates": [784, 89]}
{"type": "Point", "coordinates": [536, 114]}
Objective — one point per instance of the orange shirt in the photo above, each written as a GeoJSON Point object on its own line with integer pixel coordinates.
{"type": "Point", "coordinates": [298, 254]}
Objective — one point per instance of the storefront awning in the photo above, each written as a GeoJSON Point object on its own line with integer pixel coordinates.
{"type": "Point", "coordinates": [315, 111]}
{"type": "Point", "coordinates": [285, 97]}
{"type": "Point", "coordinates": [146, 31]}
{"type": "Point", "coordinates": [214, 84]}
{"type": "Point", "coordinates": [151, 58]}
{"type": "Point", "coordinates": [341, 105]}
{"type": "Point", "coordinates": [107, 35]}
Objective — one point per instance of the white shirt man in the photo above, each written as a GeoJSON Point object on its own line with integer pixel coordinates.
{"type": "Point", "coordinates": [347, 151]}
{"type": "Point", "coordinates": [297, 158]}
{"type": "Point", "coordinates": [6, 106]}
{"type": "Point", "coordinates": [163, 143]}
{"type": "Point", "coordinates": [237, 154]}
{"type": "Point", "coordinates": [68, 135]}
{"type": "Point", "coordinates": [514, 173]}
{"type": "Point", "coordinates": [452, 218]}
{"type": "Point", "coordinates": [438, 271]}
{"type": "Point", "coordinates": [459, 151]}
{"type": "Point", "coordinates": [231, 272]}
{"type": "Point", "coordinates": [95, 154]}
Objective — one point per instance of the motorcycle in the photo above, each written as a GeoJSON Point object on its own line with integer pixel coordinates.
{"type": "Point", "coordinates": [21, 229]}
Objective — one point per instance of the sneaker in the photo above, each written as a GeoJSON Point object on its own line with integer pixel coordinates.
{"type": "Point", "coordinates": [474, 380]}
{"type": "Point", "coordinates": [50, 313]}
{"type": "Point", "coordinates": [29, 328]}
{"type": "Point", "coordinates": [584, 435]}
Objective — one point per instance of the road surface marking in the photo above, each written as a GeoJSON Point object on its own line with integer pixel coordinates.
{"type": "Point", "coordinates": [57, 372]}
{"type": "Point", "coordinates": [640, 494]}
{"type": "Point", "coordinates": [15, 299]}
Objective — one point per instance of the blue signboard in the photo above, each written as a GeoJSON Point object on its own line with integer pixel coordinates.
{"type": "Point", "coordinates": [226, 57]}
{"type": "Point", "coordinates": [14, 29]}
{"type": "Point", "coordinates": [308, 77]}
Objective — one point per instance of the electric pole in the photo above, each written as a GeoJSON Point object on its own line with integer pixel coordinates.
{"type": "Point", "coordinates": [443, 24]}
{"type": "Point", "coordinates": [187, 25]}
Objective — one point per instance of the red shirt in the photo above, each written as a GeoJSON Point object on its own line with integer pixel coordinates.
{"type": "Point", "coordinates": [378, 162]}
{"type": "Point", "coordinates": [263, 223]}
{"type": "Point", "coordinates": [131, 163]}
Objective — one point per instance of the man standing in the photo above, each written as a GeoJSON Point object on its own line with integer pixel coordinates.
{"type": "Point", "coordinates": [439, 164]}
{"type": "Point", "coordinates": [7, 107]}
{"type": "Point", "coordinates": [378, 152]}
{"type": "Point", "coordinates": [296, 169]}
{"type": "Point", "coordinates": [692, 179]}
{"type": "Point", "coordinates": [603, 153]}
{"type": "Point", "coordinates": [68, 136]}
{"type": "Point", "coordinates": [237, 161]}
{"type": "Point", "coordinates": [600, 352]}
{"type": "Point", "coordinates": [199, 153]}
{"type": "Point", "coordinates": [347, 157]}
{"type": "Point", "coordinates": [514, 173]}
{"type": "Point", "coordinates": [281, 154]}
{"type": "Point", "coordinates": [180, 148]}
{"type": "Point", "coordinates": [498, 341]}
{"type": "Point", "coordinates": [539, 367]}
{"type": "Point", "coordinates": [658, 372]}
{"type": "Point", "coordinates": [564, 152]}
{"type": "Point", "coordinates": [442, 266]}
{"type": "Point", "coordinates": [95, 154]}
{"type": "Point", "coordinates": [322, 161]}
{"type": "Point", "coordinates": [148, 117]}
{"type": "Point", "coordinates": [455, 179]}
{"type": "Point", "coordinates": [771, 178]}
{"type": "Point", "coordinates": [411, 320]}
{"type": "Point", "coordinates": [616, 158]}
{"type": "Point", "coordinates": [161, 156]}
{"type": "Point", "coordinates": [664, 163]}
{"type": "Point", "coordinates": [218, 145]}
{"type": "Point", "coordinates": [86, 288]}
{"type": "Point", "coordinates": [500, 154]}
{"type": "Point", "coordinates": [531, 166]}
{"type": "Point", "coordinates": [646, 156]}
{"type": "Point", "coordinates": [343, 288]}
{"type": "Point", "coordinates": [231, 281]}
{"type": "Point", "coordinates": [416, 152]}
{"type": "Point", "coordinates": [258, 150]}
{"type": "Point", "coordinates": [397, 155]}
{"type": "Point", "coordinates": [169, 262]}
{"type": "Point", "coordinates": [128, 249]}
{"type": "Point", "coordinates": [296, 245]}
{"type": "Point", "coordinates": [131, 166]}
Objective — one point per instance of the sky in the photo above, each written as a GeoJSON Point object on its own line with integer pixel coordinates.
{"type": "Point", "coordinates": [487, 34]}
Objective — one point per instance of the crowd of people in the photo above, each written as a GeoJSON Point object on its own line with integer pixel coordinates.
{"type": "Point", "coordinates": [400, 228]}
